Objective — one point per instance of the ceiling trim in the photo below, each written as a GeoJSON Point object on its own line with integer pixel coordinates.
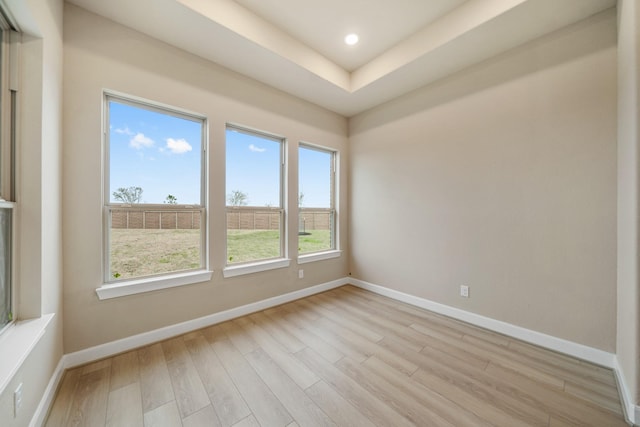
{"type": "Point", "coordinates": [245, 23]}
{"type": "Point", "coordinates": [228, 34]}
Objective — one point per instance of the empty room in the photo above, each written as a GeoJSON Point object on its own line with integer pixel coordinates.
{"type": "Point", "coordinates": [300, 213]}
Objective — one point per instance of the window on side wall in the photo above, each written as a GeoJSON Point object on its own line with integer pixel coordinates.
{"type": "Point", "coordinates": [154, 190]}
{"type": "Point", "coordinates": [316, 199]}
{"type": "Point", "coordinates": [8, 96]}
{"type": "Point", "coordinates": [254, 198]}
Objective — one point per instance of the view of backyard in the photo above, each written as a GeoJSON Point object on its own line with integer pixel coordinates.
{"type": "Point", "coordinates": [156, 213]}
{"type": "Point", "coordinates": [140, 252]}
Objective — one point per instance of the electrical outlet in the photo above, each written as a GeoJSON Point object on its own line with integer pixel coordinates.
{"type": "Point", "coordinates": [300, 274]}
{"type": "Point", "coordinates": [17, 400]}
{"type": "Point", "coordinates": [464, 291]}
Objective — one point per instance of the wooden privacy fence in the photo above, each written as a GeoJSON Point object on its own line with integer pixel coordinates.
{"type": "Point", "coordinates": [243, 218]}
{"type": "Point", "coordinates": [248, 218]}
{"type": "Point", "coordinates": [156, 220]}
{"type": "Point", "coordinates": [315, 219]}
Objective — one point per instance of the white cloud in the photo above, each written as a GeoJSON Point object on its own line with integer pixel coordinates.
{"type": "Point", "coordinates": [257, 149]}
{"type": "Point", "coordinates": [140, 141]}
{"type": "Point", "coordinates": [178, 146]}
{"type": "Point", "coordinates": [125, 131]}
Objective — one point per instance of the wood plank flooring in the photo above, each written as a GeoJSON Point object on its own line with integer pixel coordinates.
{"type": "Point", "coordinates": [346, 357]}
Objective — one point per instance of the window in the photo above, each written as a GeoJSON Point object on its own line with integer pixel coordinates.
{"type": "Point", "coordinates": [255, 213]}
{"type": "Point", "coordinates": [6, 258]}
{"type": "Point", "coordinates": [8, 87]}
{"type": "Point", "coordinates": [154, 190]}
{"type": "Point", "coordinates": [316, 199]}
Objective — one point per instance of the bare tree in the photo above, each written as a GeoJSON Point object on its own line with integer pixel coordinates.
{"type": "Point", "coordinates": [237, 198]}
{"type": "Point", "coordinates": [129, 195]}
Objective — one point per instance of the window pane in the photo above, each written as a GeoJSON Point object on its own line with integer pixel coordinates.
{"type": "Point", "coordinates": [157, 153]}
{"type": "Point", "coordinates": [254, 200]}
{"type": "Point", "coordinates": [8, 112]}
{"type": "Point", "coordinates": [5, 266]}
{"type": "Point", "coordinates": [8, 119]}
{"type": "Point", "coordinates": [315, 200]}
{"type": "Point", "coordinates": [147, 242]}
{"type": "Point", "coordinates": [155, 213]}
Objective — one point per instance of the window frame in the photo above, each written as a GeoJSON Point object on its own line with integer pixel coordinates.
{"type": "Point", "coordinates": [334, 251]}
{"type": "Point", "coordinates": [12, 265]}
{"type": "Point", "coordinates": [9, 41]}
{"type": "Point", "coordinates": [264, 264]}
{"type": "Point", "coordinates": [114, 288]}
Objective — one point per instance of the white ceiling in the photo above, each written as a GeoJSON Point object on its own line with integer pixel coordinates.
{"type": "Point", "coordinates": [323, 24]}
{"type": "Point", "coordinates": [297, 45]}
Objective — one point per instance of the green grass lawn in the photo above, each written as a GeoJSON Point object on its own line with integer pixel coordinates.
{"type": "Point", "coordinates": [136, 253]}
{"type": "Point", "coordinates": [252, 245]}
{"type": "Point", "coordinates": [315, 241]}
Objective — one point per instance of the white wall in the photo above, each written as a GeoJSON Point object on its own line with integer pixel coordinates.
{"type": "Point", "coordinates": [628, 187]}
{"type": "Point", "coordinates": [100, 54]}
{"type": "Point", "coordinates": [39, 198]}
{"type": "Point", "coordinates": [503, 178]}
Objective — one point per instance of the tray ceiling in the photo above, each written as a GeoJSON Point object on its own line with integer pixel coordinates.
{"type": "Point", "coordinates": [297, 45]}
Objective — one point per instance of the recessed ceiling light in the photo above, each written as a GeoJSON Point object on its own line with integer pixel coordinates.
{"type": "Point", "coordinates": [351, 39]}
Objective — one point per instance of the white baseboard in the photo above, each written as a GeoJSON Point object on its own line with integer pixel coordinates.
{"type": "Point", "coordinates": [590, 354]}
{"type": "Point", "coordinates": [41, 411]}
{"type": "Point", "coordinates": [580, 351]}
{"type": "Point", "coordinates": [631, 410]}
{"type": "Point", "coordinates": [115, 347]}
{"type": "Point", "coordinates": [609, 360]}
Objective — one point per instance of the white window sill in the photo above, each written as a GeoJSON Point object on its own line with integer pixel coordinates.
{"type": "Point", "coordinates": [17, 343]}
{"type": "Point", "coordinates": [257, 267]}
{"type": "Point", "coordinates": [319, 256]}
{"type": "Point", "coordinates": [138, 286]}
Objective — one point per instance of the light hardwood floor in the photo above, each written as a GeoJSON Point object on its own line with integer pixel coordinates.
{"type": "Point", "coordinates": [345, 357]}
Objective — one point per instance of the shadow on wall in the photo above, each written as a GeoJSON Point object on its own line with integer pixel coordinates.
{"type": "Point", "coordinates": [551, 50]}
{"type": "Point", "coordinates": [123, 44]}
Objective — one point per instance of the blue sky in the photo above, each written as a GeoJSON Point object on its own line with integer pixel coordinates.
{"type": "Point", "coordinates": [253, 167]}
{"type": "Point", "coordinates": [162, 154]}
{"type": "Point", "coordinates": [157, 152]}
{"type": "Point", "coordinates": [314, 177]}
